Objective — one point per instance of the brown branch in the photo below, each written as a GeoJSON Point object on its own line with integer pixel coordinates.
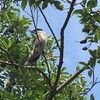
{"type": "Point", "coordinates": [49, 27]}
{"type": "Point", "coordinates": [93, 84]}
{"type": "Point", "coordinates": [50, 97]}
{"type": "Point", "coordinates": [8, 63]}
{"type": "Point", "coordinates": [54, 91]}
{"type": "Point", "coordinates": [70, 79]}
{"type": "Point", "coordinates": [62, 41]}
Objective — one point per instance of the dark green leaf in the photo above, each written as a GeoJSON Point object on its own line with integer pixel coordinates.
{"type": "Point", "coordinates": [98, 35]}
{"type": "Point", "coordinates": [59, 5]}
{"type": "Point", "coordinates": [37, 3]}
{"type": "Point", "coordinates": [23, 4]}
{"type": "Point", "coordinates": [98, 53]}
{"type": "Point", "coordinates": [89, 73]}
{"type": "Point", "coordinates": [92, 53]}
{"type": "Point", "coordinates": [45, 4]}
{"type": "Point", "coordinates": [92, 62]}
{"type": "Point", "coordinates": [83, 63]}
{"type": "Point", "coordinates": [92, 3]}
{"type": "Point", "coordinates": [78, 11]}
{"type": "Point", "coordinates": [92, 97]}
{"type": "Point", "coordinates": [84, 2]}
{"type": "Point", "coordinates": [31, 2]}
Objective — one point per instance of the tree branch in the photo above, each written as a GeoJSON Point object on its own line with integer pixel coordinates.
{"type": "Point", "coordinates": [62, 42]}
{"type": "Point", "coordinates": [8, 63]}
{"type": "Point", "coordinates": [49, 27]}
{"type": "Point", "coordinates": [70, 79]}
{"type": "Point", "coordinates": [54, 91]}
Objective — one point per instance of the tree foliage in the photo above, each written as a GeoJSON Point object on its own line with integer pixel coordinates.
{"type": "Point", "coordinates": [48, 79]}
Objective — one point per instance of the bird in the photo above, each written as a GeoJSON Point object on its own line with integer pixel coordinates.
{"type": "Point", "coordinates": [38, 47]}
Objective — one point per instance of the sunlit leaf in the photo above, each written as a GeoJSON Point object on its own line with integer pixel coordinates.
{"type": "Point", "coordinates": [92, 3]}
{"type": "Point", "coordinates": [59, 5]}
{"type": "Point", "coordinates": [28, 93]}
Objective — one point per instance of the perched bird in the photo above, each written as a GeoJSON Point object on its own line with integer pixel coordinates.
{"type": "Point", "coordinates": [38, 47]}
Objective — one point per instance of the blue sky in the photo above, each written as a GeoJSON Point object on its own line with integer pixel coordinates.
{"type": "Point", "coordinates": [73, 52]}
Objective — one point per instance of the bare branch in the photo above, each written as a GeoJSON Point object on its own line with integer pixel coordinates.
{"type": "Point", "coordinates": [49, 27]}
{"type": "Point", "coordinates": [8, 63]}
{"type": "Point", "coordinates": [70, 79]}
{"type": "Point", "coordinates": [62, 41]}
{"type": "Point", "coordinates": [54, 90]}
{"type": "Point", "coordinates": [31, 9]}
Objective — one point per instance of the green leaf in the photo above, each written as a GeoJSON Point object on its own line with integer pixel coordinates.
{"type": "Point", "coordinates": [45, 4]}
{"type": "Point", "coordinates": [78, 11]}
{"type": "Point", "coordinates": [92, 97]}
{"type": "Point", "coordinates": [89, 73]}
{"type": "Point", "coordinates": [92, 62]}
{"type": "Point", "coordinates": [77, 68]}
{"type": "Point", "coordinates": [92, 3]}
{"type": "Point", "coordinates": [92, 53]}
{"type": "Point", "coordinates": [28, 93]}
{"type": "Point", "coordinates": [59, 5]}
{"type": "Point", "coordinates": [23, 4]}
{"type": "Point", "coordinates": [98, 53]}
{"type": "Point", "coordinates": [98, 35]}
{"type": "Point", "coordinates": [31, 2]}
{"type": "Point", "coordinates": [37, 3]}
{"type": "Point", "coordinates": [10, 43]}
{"type": "Point", "coordinates": [83, 63]}
{"type": "Point", "coordinates": [84, 2]}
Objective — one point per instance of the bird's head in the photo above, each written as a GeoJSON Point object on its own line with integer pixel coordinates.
{"type": "Point", "coordinates": [35, 31]}
{"type": "Point", "coordinates": [39, 32]}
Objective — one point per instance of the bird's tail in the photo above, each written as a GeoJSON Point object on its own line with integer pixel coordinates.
{"type": "Point", "coordinates": [25, 60]}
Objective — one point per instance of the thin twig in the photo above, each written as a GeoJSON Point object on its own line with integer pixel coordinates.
{"type": "Point", "coordinates": [8, 63]}
{"type": "Point", "coordinates": [89, 89]}
{"type": "Point", "coordinates": [49, 27]}
{"type": "Point", "coordinates": [23, 9]}
{"type": "Point", "coordinates": [31, 9]}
